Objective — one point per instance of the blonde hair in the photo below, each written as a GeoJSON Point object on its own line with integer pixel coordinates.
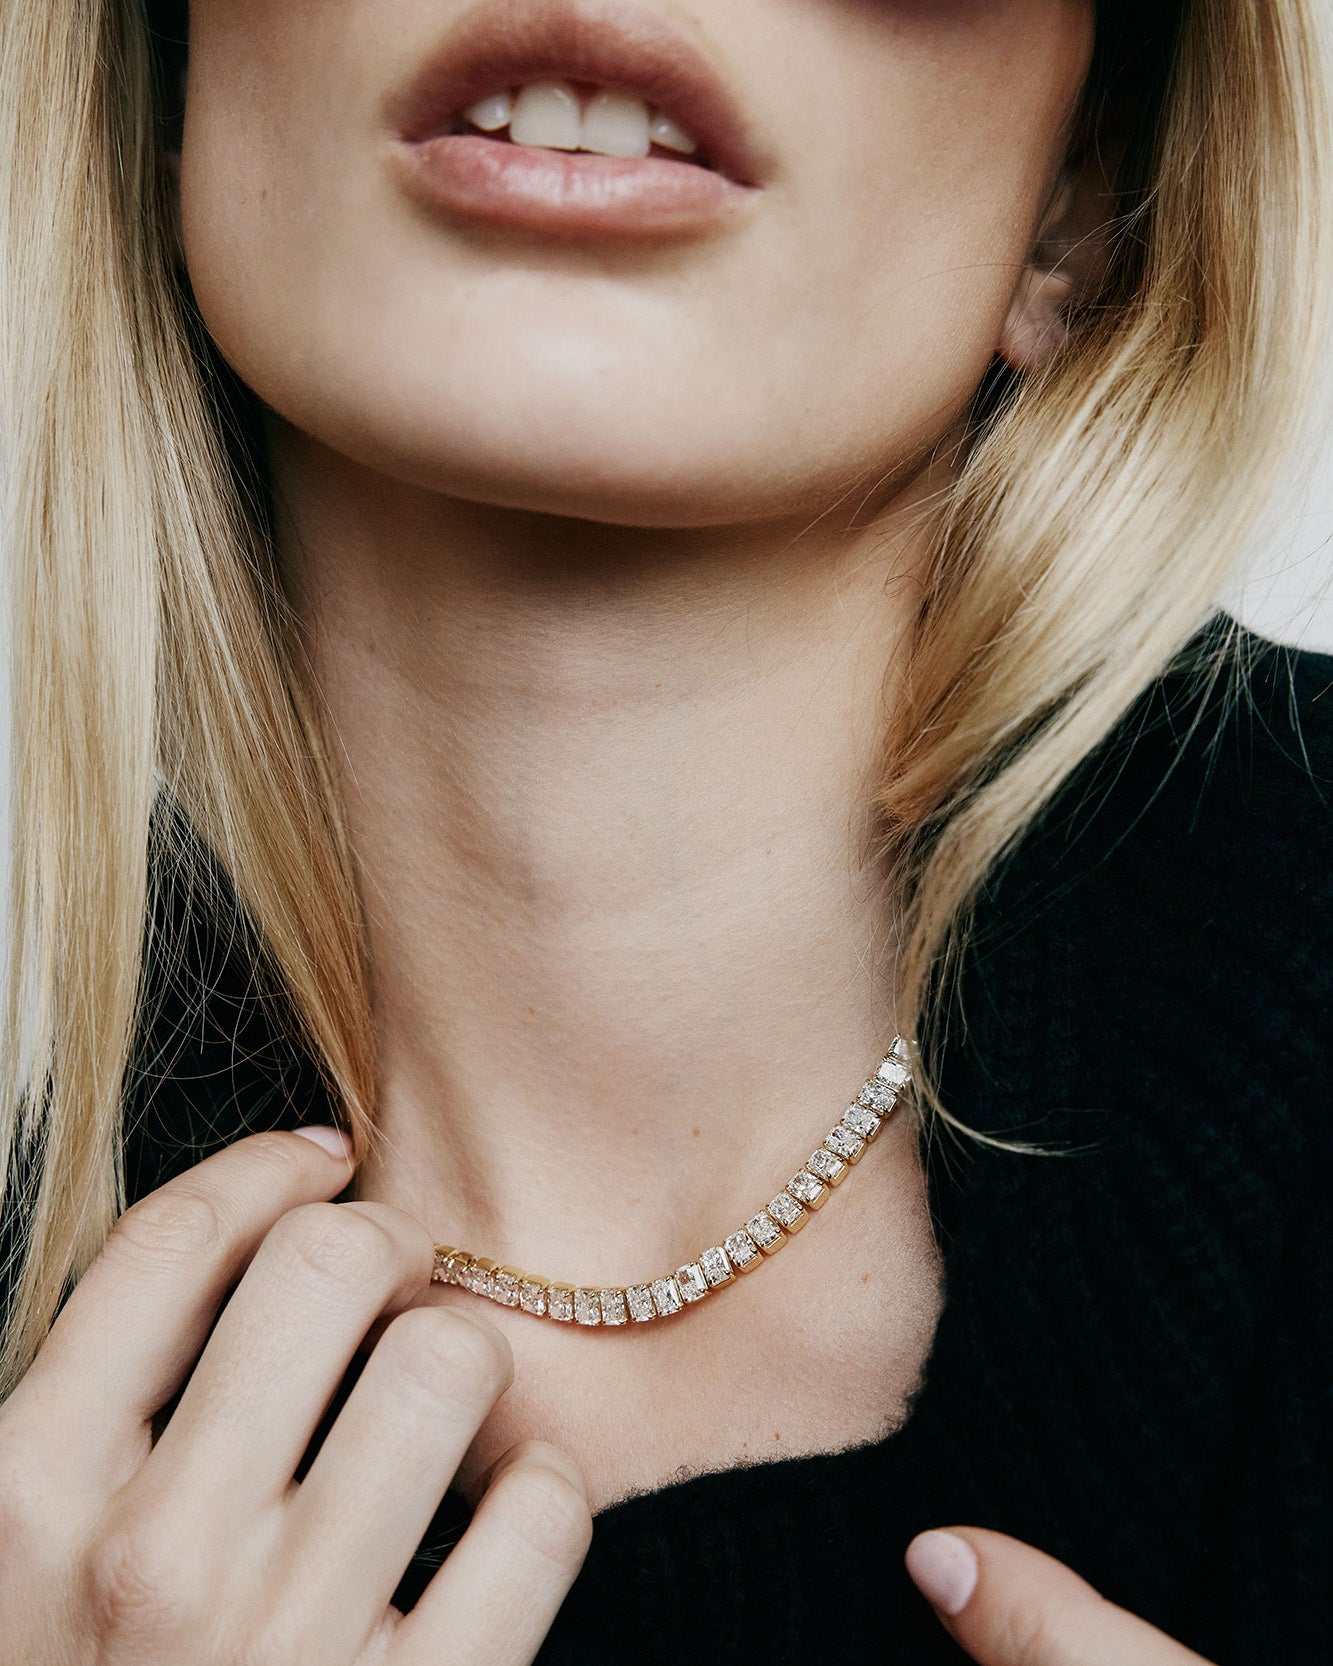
{"type": "Point", "coordinates": [1102, 504]}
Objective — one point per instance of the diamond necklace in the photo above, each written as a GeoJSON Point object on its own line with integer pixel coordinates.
{"type": "Point", "coordinates": [762, 1235]}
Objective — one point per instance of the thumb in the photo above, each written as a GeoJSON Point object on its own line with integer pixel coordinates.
{"type": "Point", "coordinates": [1007, 1604]}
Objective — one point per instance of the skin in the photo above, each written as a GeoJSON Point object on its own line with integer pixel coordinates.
{"type": "Point", "coordinates": [604, 558]}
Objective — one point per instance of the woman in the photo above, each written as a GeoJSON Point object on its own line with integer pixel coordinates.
{"type": "Point", "coordinates": [584, 566]}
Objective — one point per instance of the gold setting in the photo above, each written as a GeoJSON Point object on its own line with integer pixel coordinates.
{"type": "Point", "coordinates": [741, 1251]}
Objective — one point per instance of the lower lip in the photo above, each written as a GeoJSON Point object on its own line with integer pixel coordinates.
{"type": "Point", "coordinates": [569, 193]}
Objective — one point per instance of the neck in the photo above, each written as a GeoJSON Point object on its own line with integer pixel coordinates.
{"type": "Point", "coordinates": [610, 792]}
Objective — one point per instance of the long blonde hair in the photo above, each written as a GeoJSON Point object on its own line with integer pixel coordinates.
{"type": "Point", "coordinates": [1102, 505]}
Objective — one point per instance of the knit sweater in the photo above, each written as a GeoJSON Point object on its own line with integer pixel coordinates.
{"type": "Point", "coordinates": [1133, 1368]}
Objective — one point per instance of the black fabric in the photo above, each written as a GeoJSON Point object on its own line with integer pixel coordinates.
{"type": "Point", "coordinates": [1133, 1368]}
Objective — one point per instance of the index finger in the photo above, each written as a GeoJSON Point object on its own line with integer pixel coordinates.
{"type": "Point", "coordinates": [137, 1320]}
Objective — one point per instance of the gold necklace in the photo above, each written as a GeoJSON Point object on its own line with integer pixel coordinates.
{"type": "Point", "coordinates": [762, 1235]}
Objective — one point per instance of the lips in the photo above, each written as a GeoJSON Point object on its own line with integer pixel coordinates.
{"type": "Point", "coordinates": [501, 44]}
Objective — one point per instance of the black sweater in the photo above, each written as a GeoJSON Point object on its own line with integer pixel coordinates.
{"type": "Point", "coordinates": [1134, 1363]}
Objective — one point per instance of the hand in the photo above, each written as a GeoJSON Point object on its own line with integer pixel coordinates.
{"type": "Point", "coordinates": [203, 1549]}
{"type": "Point", "coordinates": [1007, 1604]}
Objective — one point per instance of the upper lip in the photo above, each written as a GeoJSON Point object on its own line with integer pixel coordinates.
{"type": "Point", "coordinates": [506, 43]}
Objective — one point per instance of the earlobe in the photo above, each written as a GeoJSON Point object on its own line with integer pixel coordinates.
{"type": "Point", "coordinates": [1068, 263]}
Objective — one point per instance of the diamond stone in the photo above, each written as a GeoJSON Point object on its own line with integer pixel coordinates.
{"type": "Point", "coordinates": [877, 1096]}
{"type": "Point", "coordinates": [827, 1166]}
{"type": "Point", "coordinates": [690, 1281]}
{"type": "Point", "coordinates": [587, 1308]}
{"type": "Point", "coordinates": [666, 1296]}
{"type": "Point", "coordinates": [457, 1266]}
{"type": "Point", "coordinates": [766, 1233]}
{"type": "Point", "coordinates": [439, 1271]}
{"type": "Point", "coordinates": [560, 1302]}
{"type": "Point", "coordinates": [894, 1073]}
{"type": "Point", "coordinates": [861, 1121]}
{"type": "Point", "coordinates": [532, 1296]}
{"type": "Point", "coordinates": [806, 1188]}
{"type": "Point", "coordinates": [505, 1283]}
{"type": "Point", "coordinates": [842, 1142]}
{"type": "Point", "coordinates": [614, 1311]}
{"type": "Point", "coordinates": [787, 1212]}
{"type": "Point", "coordinates": [479, 1275]}
{"type": "Point", "coordinates": [640, 1299]}
{"type": "Point", "coordinates": [742, 1251]}
{"type": "Point", "coordinates": [716, 1267]}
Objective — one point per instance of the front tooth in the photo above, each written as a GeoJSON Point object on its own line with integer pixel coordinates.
{"type": "Point", "coordinates": [616, 124]}
{"type": "Point", "coordinates": [663, 131]}
{"type": "Point", "coordinates": [547, 113]}
{"type": "Point", "coordinates": [491, 113]}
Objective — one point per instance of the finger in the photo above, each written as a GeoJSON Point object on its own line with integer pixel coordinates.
{"type": "Point", "coordinates": [501, 1586]}
{"type": "Point", "coordinates": [1010, 1605]}
{"type": "Point", "coordinates": [134, 1324]}
{"type": "Point", "coordinates": [281, 1347]}
{"type": "Point", "coordinates": [384, 1466]}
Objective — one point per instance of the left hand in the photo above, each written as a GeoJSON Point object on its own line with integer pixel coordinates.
{"type": "Point", "coordinates": [1007, 1604]}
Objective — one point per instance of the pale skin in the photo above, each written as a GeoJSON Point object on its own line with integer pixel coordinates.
{"type": "Point", "coordinates": [604, 594]}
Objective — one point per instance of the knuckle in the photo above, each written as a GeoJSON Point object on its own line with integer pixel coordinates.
{"type": "Point", "coordinates": [446, 1354]}
{"type": "Point", "coordinates": [546, 1511]}
{"type": "Point", "coordinates": [1028, 1635]}
{"type": "Point", "coordinates": [139, 1582]}
{"type": "Point", "coordinates": [174, 1223]}
{"type": "Point", "coordinates": [339, 1245]}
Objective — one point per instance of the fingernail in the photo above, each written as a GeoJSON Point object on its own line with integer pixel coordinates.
{"type": "Point", "coordinates": [944, 1568]}
{"type": "Point", "coordinates": [333, 1140]}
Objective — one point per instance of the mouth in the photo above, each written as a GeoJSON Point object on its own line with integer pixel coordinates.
{"type": "Point", "coordinates": [578, 115]}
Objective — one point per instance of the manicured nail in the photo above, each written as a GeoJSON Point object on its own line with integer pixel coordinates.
{"type": "Point", "coordinates": [944, 1568]}
{"type": "Point", "coordinates": [333, 1140]}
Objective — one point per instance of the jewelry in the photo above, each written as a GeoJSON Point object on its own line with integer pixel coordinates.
{"type": "Point", "coordinates": [762, 1235]}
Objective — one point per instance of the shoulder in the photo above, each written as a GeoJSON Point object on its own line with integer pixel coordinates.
{"type": "Point", "coordinates": [1162, 940]}
{"type": "Point", "coordinates": [1198, 849]}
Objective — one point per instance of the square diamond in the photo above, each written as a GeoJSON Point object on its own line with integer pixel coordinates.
{"type": "Point", "coordinates": [532, 1296]}
{"type": "Point", "coordinates": [457, 1266]}
{"type": "Point", "coordinates": [716, 1267]}
{"type": "Point", "coordinates": [614, 1311]}
{"type": "Point", "coordinates": [894, 1073]}
{"type": "Point", "coordinates": [842, 1142]}
{"type": "Point", "coordinates": [505, 1285]}
{"type": "Point", "coordinates": [640, 1300]}
{"type": "Point", "coordinates": [690, 1281]}
{"type": "Point", "coordinates": [666, 1296]}
{"type": "Point", "coordinates": [587, 1308]}
{"type": "Point", "coordinates": [826, 1166]}
{"type": "Point", "coordinates": [807, 1189]}
{"type": "Point", "coordinates": [741, 1251]}
{"type": "Point", "coordinates": [560, 1302]}
{"type": "Point", "coordinates": [785, 1210]}
{"type": "Point", "coordinates": [877, 1096]}
{"type": "Point", "coordinates": [479, 1276]}
{"type": "Point", "coordinates": [766, 1233]}
{"type": "Point", "coordinates": [861, 1121]}
{"type": "Point", "coordinates": [439, 1272]}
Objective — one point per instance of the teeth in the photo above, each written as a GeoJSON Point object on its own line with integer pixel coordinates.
{"type": "Point", "coordinates": [549, 114]}
{"type": "Point", "coordinates": [663, 131]}
{"type": "Point", "coordinates": [491, 113]}
{"type": "Point", "coordinates": [616, 124]}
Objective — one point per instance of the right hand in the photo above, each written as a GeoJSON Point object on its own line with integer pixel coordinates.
{"type": "Point", "coordinates": [202, 1549]}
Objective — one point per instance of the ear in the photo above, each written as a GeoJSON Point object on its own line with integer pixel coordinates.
{"type": "Point", "coordinates": [1068, 263]}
